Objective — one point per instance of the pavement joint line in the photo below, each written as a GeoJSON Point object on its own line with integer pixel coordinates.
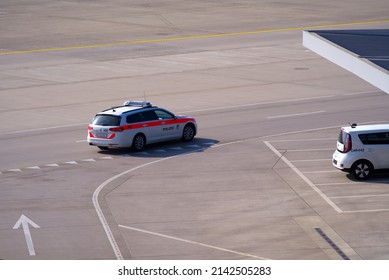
{"type": "Point", "coordinates": [192, 242]}
{"type": "Point", "coordinates": [192, 37]}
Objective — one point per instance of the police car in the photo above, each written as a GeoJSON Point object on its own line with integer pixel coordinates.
{"type": "Point", "coordinates": [363, 149]}
{"type": "Point", "coordinates": [137, 123]}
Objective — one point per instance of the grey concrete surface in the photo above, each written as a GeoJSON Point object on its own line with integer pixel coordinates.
{"type": "Point", "coordinates": [241, 70]}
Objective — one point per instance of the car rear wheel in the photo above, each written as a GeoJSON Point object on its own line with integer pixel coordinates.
{"type": "Point", "coordinates": [362, 170]}
{"type": "Point", "coordinates": [188, 133]}
{"type": "Point", "coordinates": [138, 143]}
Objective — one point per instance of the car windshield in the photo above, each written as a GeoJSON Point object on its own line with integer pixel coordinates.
{"type": "Point", "coordinates": [106, 120]}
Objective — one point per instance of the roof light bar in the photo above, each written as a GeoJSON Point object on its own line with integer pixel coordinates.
{"type": "Point", "coordinates": [137, 103]}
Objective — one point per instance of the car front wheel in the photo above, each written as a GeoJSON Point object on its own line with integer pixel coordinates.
{"type": "Point", "coordinates": [188, 133]}
{"type": "Point", "coordinates": [362, 170]}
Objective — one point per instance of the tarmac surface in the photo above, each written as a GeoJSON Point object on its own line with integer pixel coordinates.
{"type": "Point", "coordinates": [257, 181]}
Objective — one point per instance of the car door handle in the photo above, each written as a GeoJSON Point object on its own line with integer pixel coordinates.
{"type": "Point", "coordinates": [163, 122]}
{"type": "Point", "coordinates": [145, 125]}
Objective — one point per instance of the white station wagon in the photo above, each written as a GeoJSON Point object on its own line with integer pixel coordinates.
{"type": "Point", "coordinates": [363, 149]}
{"type": "Point", "coordinates": [137, 123]}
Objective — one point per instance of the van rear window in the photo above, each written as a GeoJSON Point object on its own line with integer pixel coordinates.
{"type": "Point", "coordinates": [106, 120]}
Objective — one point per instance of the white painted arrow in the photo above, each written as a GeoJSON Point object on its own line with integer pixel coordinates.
{"type": "Point", "coordinates": [25, 222]}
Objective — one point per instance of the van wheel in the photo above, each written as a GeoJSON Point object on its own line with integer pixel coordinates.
{"type": "Point", "coordinates": [138, 143]}
{"type": "Point", "coordinates": [362, 170]}
{"type": "Point", "coordinates": [188, 133]}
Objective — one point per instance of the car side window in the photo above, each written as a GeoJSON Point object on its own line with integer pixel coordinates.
{"type": "Point", "coordinates": [164, 115]}
{"type": "Point", "coordinates": [375, 138]}
{"type": "Point", "coordinates": [134, 118]}
{"type": "Point", "coordinates": [149, 116]}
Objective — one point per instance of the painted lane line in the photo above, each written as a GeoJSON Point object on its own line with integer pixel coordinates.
{"type": "Point", "coordinates": [14, 170]}
{"type": "Point", "coordinates": [99, 211]}
{"type": "Point", "coordinates": [176, 148]}
{"type": "Point", "coordinates": [191, 37]}
{"type": "Point", "coordinates": [321, 171]}
{"type": "Point", "coordinates": [71, 162]}
{"type": "Point", "coordinates": [311, 150]}
{"type": "Point", "coordinates": [192, 242]}
{"type": "Point", "coordinates": [107, 157]}
{"type": "Point", "coordinates": [302, 176]}
{"type": "Point", "coordinates": [88, 160]}
{"type": "Point", "coordinates": [367, 211]}
{"type": "Point", "coordinates": [360, 196]}
{"type": "Point", "coordinates": [304, 140]}
{"type": "Point", "coordinates": [52, 165]}
{"type": "Point", "coordinates": [259, 104]}
{"type": "Point", "coordinates": [33, 167]}
{"type": "Point", "coordinates": [160, 151]}
{"type": "Point", "coordinates": [43, 128]}
{"type": "Point", "coordinates": [296, 115]}
{"type": "Point", "coordinates": [311, 160]}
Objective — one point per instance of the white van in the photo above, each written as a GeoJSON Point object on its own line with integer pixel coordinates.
{"type": "Point", "coordinates": [362, 149]}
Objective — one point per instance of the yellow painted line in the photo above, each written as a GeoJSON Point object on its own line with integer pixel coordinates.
{"type": "Point", "coordinates": [192, 37]}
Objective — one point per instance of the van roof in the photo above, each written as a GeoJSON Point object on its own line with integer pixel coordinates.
{"type": "Point", "coordinates": [366, 128]}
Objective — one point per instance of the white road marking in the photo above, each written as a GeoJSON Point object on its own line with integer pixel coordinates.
{"type": "Point", "coordinates": [160, 151]}
{"type": "Point", "coordinates": [296, 115]}
{"type": "Point", "coordinates": [88, 160]}
{"type": "Point", "coordinates": [33, 167]}
{"type": "Point", "coordinates": [193, 242]}
{"type": "Point", "coordinates": [302, 176]}
{"type": "Point", "coordinates": [176, 148]}
{"type": "Point", "coordinates": [311, 150]}
{"type": "Point", "coordinates": [107, 157]}
{"type": "Point", "coordinates": [52, 165]}
{"type": "Point", "coordinates": [14, 170]}
{"type": "Point", "coordinates": [310, 160]}
{"type": "Point", "coordinates": [321, 171]}
{"type": "Point", "coordinates": [304, 140]}
{"type": "Point", "coordinates": [192, 146]}
{"type": "Point", "coordinates": [25, 222]}
{"type": "Point", "coordinates": [71, 162]}
{"type": "Point", "coordinates": [361, 196]}
{"type": "Point", "coordinates": [43, 128]}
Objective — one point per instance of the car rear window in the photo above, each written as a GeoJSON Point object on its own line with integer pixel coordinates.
{"type": "Point", "coordinates": [106, 120]}
{"type": "Point", "coordinates": [342, 137]}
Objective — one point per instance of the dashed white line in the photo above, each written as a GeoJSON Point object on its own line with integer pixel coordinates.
{"type": "Point", "coordinates": [71, 162]}
{"type": "Point", "coordinates": [52, 165]}
{"type": "Point", "coordinates": [14, 170]}
{"type": "Point", "coordinates": [33, 167]}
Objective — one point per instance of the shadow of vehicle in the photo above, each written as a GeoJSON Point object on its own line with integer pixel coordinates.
{"type": "Point", "coordinates": [378, 177]}
{"type": "Point", "coordinates": [165, 149]}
